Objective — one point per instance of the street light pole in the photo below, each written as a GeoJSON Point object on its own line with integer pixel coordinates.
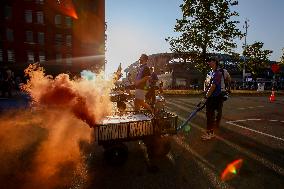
{"type": "Point", "coordinates": [246, 31]}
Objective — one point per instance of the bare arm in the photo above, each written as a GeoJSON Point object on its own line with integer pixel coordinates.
{"type": "Point", "coordinates": [210, 91]}
{"type": "Point", "coordinates": [144, 79]}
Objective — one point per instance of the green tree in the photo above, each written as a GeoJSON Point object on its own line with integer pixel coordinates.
{"type": "Point", "coordinates": [256, 58]}
{"type": "Point", "coordinates": [282, 57]}
{"type": "Point", "coordinates": [206, 26]}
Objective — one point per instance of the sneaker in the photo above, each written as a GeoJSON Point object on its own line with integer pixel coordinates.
{"type": "Point", "coordinates": [207, 136]}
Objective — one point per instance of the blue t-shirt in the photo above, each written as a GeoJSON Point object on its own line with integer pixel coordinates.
{"type": "Point", "coordinates": [216, 77]}
{"type": "Point", "coordinates": [143, 71]}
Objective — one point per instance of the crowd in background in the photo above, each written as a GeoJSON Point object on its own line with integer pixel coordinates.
{"type": "Point", "coordinates": [9, 83]}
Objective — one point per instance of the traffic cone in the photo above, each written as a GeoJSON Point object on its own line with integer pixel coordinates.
{"type": "Point", "coordinates": [272, 96]}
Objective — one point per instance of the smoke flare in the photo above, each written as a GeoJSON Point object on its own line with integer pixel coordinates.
{"type": "Point", "coordinates": [42, 146]}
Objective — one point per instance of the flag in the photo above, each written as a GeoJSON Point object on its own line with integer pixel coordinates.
{"type": "Point", "coordinates": [118, 74]}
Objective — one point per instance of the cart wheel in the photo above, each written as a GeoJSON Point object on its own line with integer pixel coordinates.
{"type": "Point", "coordinates": [116, 154]}
{"type": "Point", "coordinates": [157, 146]}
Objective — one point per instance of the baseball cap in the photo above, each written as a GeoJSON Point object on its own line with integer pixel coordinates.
{"type": "Point", "coordinates": [143, 57]}
{"type": "Point", "coordinates": [215, 59]}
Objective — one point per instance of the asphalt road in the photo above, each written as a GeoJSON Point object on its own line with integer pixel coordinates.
{"type": "Point", "coordinates": [252, 129]}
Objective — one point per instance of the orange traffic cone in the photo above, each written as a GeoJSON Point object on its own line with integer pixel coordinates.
{"type": "Point", "coordinates": [272, 96]}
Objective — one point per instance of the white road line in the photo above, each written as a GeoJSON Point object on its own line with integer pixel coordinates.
{"type": "Point", "coordinates": [259, 132]}
{"type": "Point", "coordinates": [253, 119]}
{"type": "Point", "coordinates": [273, 120]}
{"type": "Point", "coordinates": [239, 120]}
{"type": "Point", "coordinates": [250, 107]}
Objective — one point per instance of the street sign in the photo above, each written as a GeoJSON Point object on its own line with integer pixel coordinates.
{"type": "Point", "coordinates": [275, 68]}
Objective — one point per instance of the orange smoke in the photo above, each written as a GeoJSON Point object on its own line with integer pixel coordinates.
{"type": "Point", "coordinates": [41, 147]}
{"type": "Point", "coordinates": [87, 100]}
{"type": "Point", "coordinates": [59, 158]}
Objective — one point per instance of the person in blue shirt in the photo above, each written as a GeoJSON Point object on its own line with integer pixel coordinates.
{"type": "Point", "coordinates": [213, 99]}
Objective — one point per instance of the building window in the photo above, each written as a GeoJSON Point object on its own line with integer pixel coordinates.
{"type": "Point", "coordinates": [58, 39]}
{"type": "Point", "coordinates": [57, 19]}
{"type": "Point", "coordinates": [40, 17]}
{"type": "Point", "coordinates": [40, 36]}
{"type": "Point", "coordinates": [68, 59]}
{"type": "Point", "coordinates": [68, 21]}
{"type": "Point", "coordinates": [31, 57]}
{"type": "Point", "coordinates": [28, 16]}
{"type": "Point", "coordinates": [8, 13]}
{"type": "Point", "coordinates": [58, 58]}
{"type": "Point", "coordinates": [29, 36]}
{"type": "Point", "coordinates": [40, 2]}
{"type": "Point", "coordinates": [9, 34]}
{"type": "Point", "coordinates": [1, 55]}
{"type": "Point", "coordinates": [11, 55]}
{"type": "Point", "coordinates": [69, 40]}
{"type": "Point", "coordinates": [41, 57]}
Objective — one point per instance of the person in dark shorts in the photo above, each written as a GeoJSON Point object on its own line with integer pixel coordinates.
{"type": "Point", "coordinates": [213, 99]}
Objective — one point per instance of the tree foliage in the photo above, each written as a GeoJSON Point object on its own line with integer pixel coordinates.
{"type": "Point", "coordinates": [206, 26]}
{"type": "Point", "coordinates": [282, 57]}
{"type": "Point", "coordinates": [256, 58]}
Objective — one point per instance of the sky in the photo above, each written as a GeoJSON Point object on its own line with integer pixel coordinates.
{"type": "Point", "coordinates": [141, 26]}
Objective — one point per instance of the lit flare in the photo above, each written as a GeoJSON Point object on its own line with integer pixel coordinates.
{"type": "Point", "coordinates": [232, 170]}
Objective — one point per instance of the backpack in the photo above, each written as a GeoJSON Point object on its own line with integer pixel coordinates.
{"type": "Point", "coordinates": [225, 84]}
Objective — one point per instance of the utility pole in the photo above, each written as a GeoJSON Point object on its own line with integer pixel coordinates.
{"type": "Point", "coordinates": [245, 45]}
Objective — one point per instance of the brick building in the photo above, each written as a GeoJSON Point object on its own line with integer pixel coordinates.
{"type": "Point", "coordinates": [62, 35]}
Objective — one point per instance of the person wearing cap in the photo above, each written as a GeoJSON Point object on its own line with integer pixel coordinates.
{"type": "Point", "coordinates": [141, 81]}
{"type": "Point", "coordinates": [213, 98]}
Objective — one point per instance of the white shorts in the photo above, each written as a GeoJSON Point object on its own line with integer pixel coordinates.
{"type": "Point", "coordinates": [140, 94]}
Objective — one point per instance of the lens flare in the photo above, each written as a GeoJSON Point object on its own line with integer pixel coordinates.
{"type": "Point", "coordinates": [231, 170]}
{"type": "Point", "coordinates": [65, 7]}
